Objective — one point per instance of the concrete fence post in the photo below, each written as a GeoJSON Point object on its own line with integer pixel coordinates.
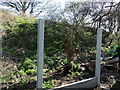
{"type": "Point", "coordinates": [40, 48]}
{"type": "Point", "coordinates": [98, 56]}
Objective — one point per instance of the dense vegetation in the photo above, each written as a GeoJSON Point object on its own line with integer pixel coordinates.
{"type": "Point", "coordinates": [65, 51]}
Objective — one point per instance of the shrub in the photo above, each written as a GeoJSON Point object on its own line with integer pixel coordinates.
{"type": "Point", "coordinates": [29, 64]}
{"type": "Point", "coordinates": [21, 72]}
{"type": "Point", "coordinates": [31, 72]}
{"type": "Point", "coordinates": [49, 84]}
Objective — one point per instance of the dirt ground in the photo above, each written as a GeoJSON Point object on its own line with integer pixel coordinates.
{"type": "Point", "coordinates": [109, 77]}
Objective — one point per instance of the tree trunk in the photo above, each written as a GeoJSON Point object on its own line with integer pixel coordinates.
{"type": "Point", "coordinates": [70, 52]}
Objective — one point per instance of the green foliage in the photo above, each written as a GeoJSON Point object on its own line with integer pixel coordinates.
{"type": "Point", "coordinates": [54, 61]}
{"type": "Point", "coordinates": [103, 62]}
{"type": "Point", "coordinates": [31, 72]}
{"type": "Point", "coordinates": [29, 64]}
{"type": "Point", "coordinates": [115, 47]}
{"type": "Point", "coordinates": [54, 40]}
{"type": "Point", "coordinates": [21, 72]}
{"type": "Point", "coordinates": [74, 74]}
{"type": "Point", "coordinates": [45, 70]}
{"type": "Point", "coordinates": [104, 49]}
{"type": "Point", "coordinates": [112, 51]}
{"type": "Point", "coordinates": [28, 67]}
{"type": "Point", "coordinates": [21, 41]}
{"type": "Point", "coordinates": [22, 38]}
{"type": "Point", "coordinates": [73, 64]}
{"type": "Point", "coordinates": [49, 84]}
{"type": "Point", "coordinates": [24, 80]}
{"type": "Point", "coordinates": [84, 74]}
{"type": "Point", "coordinates": [5, 78]}
{"type": "Point", "coordinates": [9, 77]}
{"type": "Point", "coordinates": [116, 39]}
{"type": "Point", "coordinates": [23, 75]}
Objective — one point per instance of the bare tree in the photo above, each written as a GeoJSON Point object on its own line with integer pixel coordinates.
{"type": "Point", "coordinates": [29, 6]}
{"type": "Point", "coordinates": [106, 16]}
{"type": "Point", "coordinates": [77, 15]}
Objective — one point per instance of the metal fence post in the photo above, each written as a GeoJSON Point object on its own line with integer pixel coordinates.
{"type": "Point", "coordinates": [98, 55]}
{"type": "Point", "coordinates": [40, 48]}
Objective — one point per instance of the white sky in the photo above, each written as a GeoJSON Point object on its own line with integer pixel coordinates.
{"type": "Point", "coordinates": [63, 1]}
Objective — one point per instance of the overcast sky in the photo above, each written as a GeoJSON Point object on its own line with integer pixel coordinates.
{"type": "Point", "coordinates": [63, 1]}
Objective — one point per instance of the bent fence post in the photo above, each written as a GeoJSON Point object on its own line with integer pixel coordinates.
{"type": "Point", "coordinates": [98, 56]}
{"type": "Point", "coordinates": [40, 48]}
